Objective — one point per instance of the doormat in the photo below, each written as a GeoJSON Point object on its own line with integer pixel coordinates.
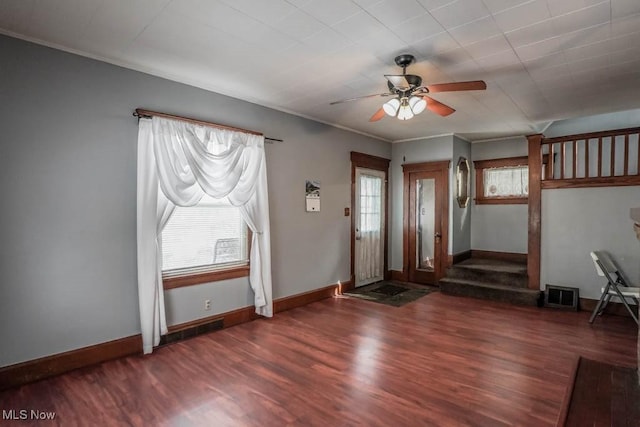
{"type": "Point", "coordinates": [389, 290]}
{"type": "Point", "coordinates": [390, 293]}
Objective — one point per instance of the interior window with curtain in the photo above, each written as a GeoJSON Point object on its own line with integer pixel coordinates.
{"type": "Point", "coordinates": [506, 182]}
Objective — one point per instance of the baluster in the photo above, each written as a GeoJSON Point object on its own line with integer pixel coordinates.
{"type": "Point", "coordinates": [587, 144]}
{"type": "Point", "coordinates": [563, 150]}
{"type": "Point", "coordinates": [613, 155]}
{"type": "Point", "coordinates": [599, 157]}
{"type": "Point", "coordinates": [551, 164]}
{"type": "Point", "coordinates": [626, 155]}
{"type": "Point", "coordinates": [575, 159]}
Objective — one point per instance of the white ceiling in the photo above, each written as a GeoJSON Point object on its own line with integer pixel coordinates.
{"type": "Point", "coordinates": [543, 60]}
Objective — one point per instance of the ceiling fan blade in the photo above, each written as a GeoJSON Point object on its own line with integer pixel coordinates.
{"type": "Point", "coordinates": [377, 115]}
{"type": "Point", "coordinates": [457, 86]}
{"type": "Point", "coordinates": [399, 82]}
{"type": "Point", "coordinates": [360, 97]}
{"type": "Point", "coordinates": [438, 107]}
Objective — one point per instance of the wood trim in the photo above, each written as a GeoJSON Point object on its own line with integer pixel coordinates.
{"type": "Point", "coordinates": [606, 181]}
{"type": "Point", "coordinates": [503, 256]}
{"type": "Point", "coordinates": [535, 210]}
{"type": "Point", "coordinates": [442, 167]}
{"type": "Point", "coordinates": [501, 200]}
{"type": "Point", "coordinates": [614, 308]}
{"type": "Point", "coordinates": [45, 367]}
{"type": "Point", "coordinates": [502, 162]}
{"type": "Point", "coordinates": [231, 318]}
{"type": "Point", "coordinates": [149, 113]}
{"type": "Point", "coordinates": [367, 161]}
{"type": "Point", "coordinates": [298, 300]}
{"type": "Point", "coordinates": [426, 166]}
{"type": "Point", "coordinates": [568, 394]}
{"type": "Point", "coordinates": [480, 165]}
{"type": "Point", "coordinates": [399, 276]}
{"type": "Point", "coordinates": [207, 277]}
{"type": "Point", "coordinates": [602, 134]}
{"type": "Point", "coordinates": [461, 256]}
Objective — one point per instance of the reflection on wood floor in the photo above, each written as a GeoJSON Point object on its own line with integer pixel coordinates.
{"type": "Point", "coordinates": [440, 360]}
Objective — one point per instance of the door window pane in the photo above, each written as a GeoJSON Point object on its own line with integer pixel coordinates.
{"type": "Point", "coordinates": [425, 224]}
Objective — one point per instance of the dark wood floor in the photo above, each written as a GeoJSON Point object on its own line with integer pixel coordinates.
{"type": "Point", "coordinates": [441, 360]}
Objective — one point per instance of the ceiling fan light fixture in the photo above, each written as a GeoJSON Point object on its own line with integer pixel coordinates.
{"type": "Point", "coordinates": [404, 112]}
{"type": "Point", "coordinates": [391, 107]}
{"type": "Point", "coordinates": [417, 104]}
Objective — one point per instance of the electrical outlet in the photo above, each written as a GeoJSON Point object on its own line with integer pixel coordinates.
{"type": "Point", "coordinates": [207, 304]}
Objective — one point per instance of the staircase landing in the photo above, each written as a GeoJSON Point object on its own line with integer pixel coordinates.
{"type": "Point", "coordinates": [491, 279]}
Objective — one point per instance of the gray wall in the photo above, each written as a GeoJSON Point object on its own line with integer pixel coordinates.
{"type": "Point", "coordinates": [460, 217]}
{"type": "Point", "coordinates": [500, 228]}
{"type": "Point", "coordinates": [68, 257]}
{"type": "Point", "coordinates": [424, 150]}
{"type": "Point", "coordinates": [578, 221]}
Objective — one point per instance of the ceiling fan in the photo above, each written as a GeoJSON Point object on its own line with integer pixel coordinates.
{"type": "Point", "coordinates": [410, 96]}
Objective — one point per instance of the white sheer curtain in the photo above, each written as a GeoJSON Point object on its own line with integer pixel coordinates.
{"type": "Point", "coordinates": [369, 265]}
{"type": "Point", "coordinates": [506, 182]}
{"type": "Point", "coordinates": [178, 163]}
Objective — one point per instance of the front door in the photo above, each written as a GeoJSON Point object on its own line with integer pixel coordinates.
{"type": "Point", "coordinates": [427, 222]}
{"type": "Point", "coordinates": [369, 226]}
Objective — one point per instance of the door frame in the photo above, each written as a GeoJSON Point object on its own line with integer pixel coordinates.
{"type": "Point", "coordinates": [367, 161]}
{"type": "Point", "coordinates": [441, 167]}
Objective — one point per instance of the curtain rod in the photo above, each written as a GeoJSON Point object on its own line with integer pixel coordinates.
{"type": "Point", "coordinates": [139, 113]}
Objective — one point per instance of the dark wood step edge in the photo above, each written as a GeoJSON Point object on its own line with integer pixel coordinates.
{"type": "Point", "coordinates": [568, 394]}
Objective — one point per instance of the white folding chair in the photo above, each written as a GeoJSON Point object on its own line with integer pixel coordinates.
{"type": "Point", "coordinates": [616, 286]}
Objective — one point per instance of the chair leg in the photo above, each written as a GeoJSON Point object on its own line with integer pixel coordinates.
{"type": "Point", "coordinates": [602, 303]}
{"type": "Point", "coordinates": [626, 304]}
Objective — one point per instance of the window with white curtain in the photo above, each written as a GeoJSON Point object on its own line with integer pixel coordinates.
{"type": "Point", "coordinates": [502, 181]}
{"type": "Point", "coordinates": [506, 182]}
{"type": "Point", "coordinates": [205, 237]}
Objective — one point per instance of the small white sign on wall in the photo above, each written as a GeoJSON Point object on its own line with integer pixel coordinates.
{"type": "Point", "coordinates": [312, 196]}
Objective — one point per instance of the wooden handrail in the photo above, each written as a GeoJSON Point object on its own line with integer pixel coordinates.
{"type": "Point", "coordinates": [569, 150]}
{"type": "Point", "coordinates": [592, 135]}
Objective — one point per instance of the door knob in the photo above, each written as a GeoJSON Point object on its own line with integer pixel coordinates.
{"type": "Point", "coordinates": [357, 234]}
{"type": "Point", "coordinates": [438, 236]}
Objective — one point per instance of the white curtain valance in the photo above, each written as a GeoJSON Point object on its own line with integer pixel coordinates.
{"type": "Point", "coordinates": [178, 162]}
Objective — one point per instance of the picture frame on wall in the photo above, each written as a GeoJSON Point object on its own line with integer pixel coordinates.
{"type": "Point", "coordinates": [312, 196]}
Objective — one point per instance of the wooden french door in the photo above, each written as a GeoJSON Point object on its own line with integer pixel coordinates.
{"type": "Point", "coordinates": [426, 221]}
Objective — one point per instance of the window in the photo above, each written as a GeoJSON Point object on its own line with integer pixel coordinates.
{"type": "Point", "coordinates": [204, 243]}
{"type": "Point", "coordinates": [502, 181]}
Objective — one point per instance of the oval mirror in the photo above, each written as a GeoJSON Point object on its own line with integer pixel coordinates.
{"type": "Point", "coordinates": [462, 182]}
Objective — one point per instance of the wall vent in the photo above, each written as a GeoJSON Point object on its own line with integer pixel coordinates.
{"type": "Point", "coordinates": [561, 297]}
{"type": "Point", "coordinates": [192, 331]}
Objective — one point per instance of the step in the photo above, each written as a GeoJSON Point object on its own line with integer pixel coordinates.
{"type": "Point", "coordinates": [491, 271]}
{"type": "Point", "coordinates": [490, 291]}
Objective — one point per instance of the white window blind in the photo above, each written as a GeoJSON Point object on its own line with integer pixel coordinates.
{"type": "Point", "coordinates": [209, 235]}
{"type": "Point", "coordinates": [506, 182]}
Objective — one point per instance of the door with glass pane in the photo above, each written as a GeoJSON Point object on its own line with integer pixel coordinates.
{"type": "Point", "coordinates": [369, 226]}
{"type": "Point", "coordinates": [427, 222]}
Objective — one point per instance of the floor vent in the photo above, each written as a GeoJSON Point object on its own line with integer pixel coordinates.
{"type": "Point", "coordinates": [561, 297]}
{"type": "Point", "coordinates": [193, 331]}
